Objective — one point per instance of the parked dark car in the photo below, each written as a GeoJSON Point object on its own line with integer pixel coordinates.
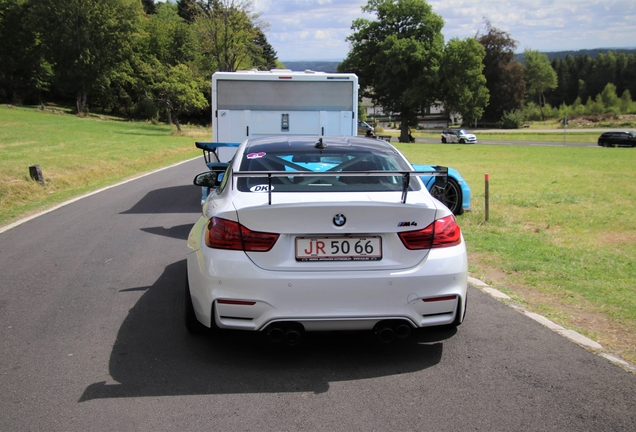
{"type": "Point", "coordinates": [617, 139]}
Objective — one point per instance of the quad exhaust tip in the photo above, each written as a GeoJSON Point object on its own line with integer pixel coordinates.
{"type": "Point", "coordinates": [388, 330]}
{"type": "Point", "coordinates": [289, 333]}
{"type": "Point", "coordinates": [292, 333]}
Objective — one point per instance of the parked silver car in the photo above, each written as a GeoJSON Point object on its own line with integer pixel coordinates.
{"type": "Point", "coordinates": [458, 136]}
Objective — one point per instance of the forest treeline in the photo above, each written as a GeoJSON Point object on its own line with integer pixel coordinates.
{"type": "Point", "coordinates": [136, 58]}
{"type": "Point", "coordinates": [149, 60]}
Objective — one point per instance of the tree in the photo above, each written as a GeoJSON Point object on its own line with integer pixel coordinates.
{"type": "Point", "coordinates": [227, 31]}
{"type": "Point", "coordinates": [187, 10]}
{"type": "Point", "coordinates": [397, 56]}
{"type": "Point", "coordinates": [168, 37]}
{"type": "Point", "coordinates": [504, 76]}
{"type": "Point", "coordinates": [165, 41]}
{"type": "Point", "coordinates": [86, 40]}
{"type": "Point", "coordinates": [176, 89]}
{"type": "Point", "coordinates": [463, 85]}
{"type": "Point", "coordinates": [149, 6]}
{"type": "Point", "coordinates": [539, 76]}
{"type": "Point", "coordinates": [595, 106]}
{"type": "Point", "coordinates": [609, 97]}
{"type": "Point", "coordinates": [266, 57]}
{"type": "Point", "coordinates": [626, 101]}
{"type": "Point", "coordinates": [24, 71]}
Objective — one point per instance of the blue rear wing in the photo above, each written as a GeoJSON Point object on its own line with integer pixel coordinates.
{"type": "Point", "coordinates": [211, 148]}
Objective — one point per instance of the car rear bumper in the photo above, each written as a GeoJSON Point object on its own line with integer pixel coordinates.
{"type": "Point", "coordinates": [236, 294]}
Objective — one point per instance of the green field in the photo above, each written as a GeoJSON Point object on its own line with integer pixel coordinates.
{"type": "Point", "coordinates": [77, 155]}
{"type": "Point", "coordinates": [561, 238]}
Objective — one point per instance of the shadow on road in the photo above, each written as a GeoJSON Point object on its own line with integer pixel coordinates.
{"type": "Point", "coordinates": [176, 199]}
{"type": "Point", "coordinates": [179, 232]}
{"type": "Point", "coordinates": [153, 354]}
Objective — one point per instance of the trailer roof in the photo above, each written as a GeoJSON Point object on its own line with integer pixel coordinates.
{"type": "Point", "coordinates": [283, 74]}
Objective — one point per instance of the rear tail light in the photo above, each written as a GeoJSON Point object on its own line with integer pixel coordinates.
{"type": "Point", "coordinates": [443, 232]}
{"type": "Point", "coordinates": [226, 234]}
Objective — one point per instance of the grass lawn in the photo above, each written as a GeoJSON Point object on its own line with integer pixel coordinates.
{"type": "Point", "coordinates": [77, 155]}
{"type": "Point", "coordinates": [561, 239]}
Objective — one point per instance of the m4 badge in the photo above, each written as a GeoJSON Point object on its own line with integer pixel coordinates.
{"type": "Point", "coordinates": [407, 224]}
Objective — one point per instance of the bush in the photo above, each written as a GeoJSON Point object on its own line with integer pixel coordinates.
{"type": "Point", "coordinates": [594, 106]}
{"type": "Point", "coordinates": [512, 119]}
{"type": "Point", "coordinates": [531, 112]}
{"type": "Point", "coordinates": [146, 109]}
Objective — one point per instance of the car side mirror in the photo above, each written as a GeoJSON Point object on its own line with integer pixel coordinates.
{"type": "Point", "coordinates": [208, 179]}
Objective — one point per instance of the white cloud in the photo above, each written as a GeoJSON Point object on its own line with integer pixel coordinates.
{"type": "Point", "coordinates": [317, 29]}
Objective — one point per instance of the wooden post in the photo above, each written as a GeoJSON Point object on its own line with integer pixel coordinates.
{"type": "Point", "coordinates": [36, 174]}
{"type": "Point", "coordinates": [487, 195]}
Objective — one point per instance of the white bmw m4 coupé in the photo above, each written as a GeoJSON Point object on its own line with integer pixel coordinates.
{"type": "Point", "coordinates": [304, 234]}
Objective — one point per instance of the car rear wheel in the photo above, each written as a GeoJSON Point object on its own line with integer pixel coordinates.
{"type": "Point", "coordinates": [443, 140]}
{"type": "Point", "coordinates": [452, 196]}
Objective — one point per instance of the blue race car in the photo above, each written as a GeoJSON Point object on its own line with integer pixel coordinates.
{"type": "Point", "coordinates": [455, 195]}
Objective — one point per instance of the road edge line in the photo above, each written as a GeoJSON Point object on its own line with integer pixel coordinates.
{"type": "Point", "coordinates": [86, 195]}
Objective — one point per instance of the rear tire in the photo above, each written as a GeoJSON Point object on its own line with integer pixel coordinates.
{"type": "Point", "coordinates": [452, 197]}
{"type": "Point", "coordinates": [443, 140]}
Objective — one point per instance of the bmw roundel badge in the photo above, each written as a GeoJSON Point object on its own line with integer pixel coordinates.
{"type": "Point", "coordinates": [339, 220]}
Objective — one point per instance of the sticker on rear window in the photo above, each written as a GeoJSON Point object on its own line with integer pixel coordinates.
{"type": "Point", "coordinates": [256, 155]}
{"type": "Point", "coordinates": [260, 188]}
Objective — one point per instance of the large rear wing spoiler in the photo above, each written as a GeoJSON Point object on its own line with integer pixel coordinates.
{"type": "Point", "coordinates": [437, 171]}
{"type": "Point", "coordinates": [210, 148]}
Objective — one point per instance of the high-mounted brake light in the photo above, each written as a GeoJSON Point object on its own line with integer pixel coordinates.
{"type": "Point", "coordinates": [443, 232]}
{"type": "Point", "coordinates": [226, 234]}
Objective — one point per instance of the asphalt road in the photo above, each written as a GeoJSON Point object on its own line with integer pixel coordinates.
{"type": "Point", "coordinates": [91, 338]}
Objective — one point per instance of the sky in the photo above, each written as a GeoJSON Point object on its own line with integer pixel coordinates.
{"type": "Point", "coordinates": [317, 29]}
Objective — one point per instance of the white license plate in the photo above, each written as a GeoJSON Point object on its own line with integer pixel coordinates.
{"type": "Point", "coordinates": [339, 248]}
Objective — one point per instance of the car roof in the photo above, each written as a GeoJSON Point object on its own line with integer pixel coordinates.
{"type": "Point", "coordinates": [309, 143]}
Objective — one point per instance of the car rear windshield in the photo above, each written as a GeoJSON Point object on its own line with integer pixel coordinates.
{"type": "Point", "coordinates": [325, 161]}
